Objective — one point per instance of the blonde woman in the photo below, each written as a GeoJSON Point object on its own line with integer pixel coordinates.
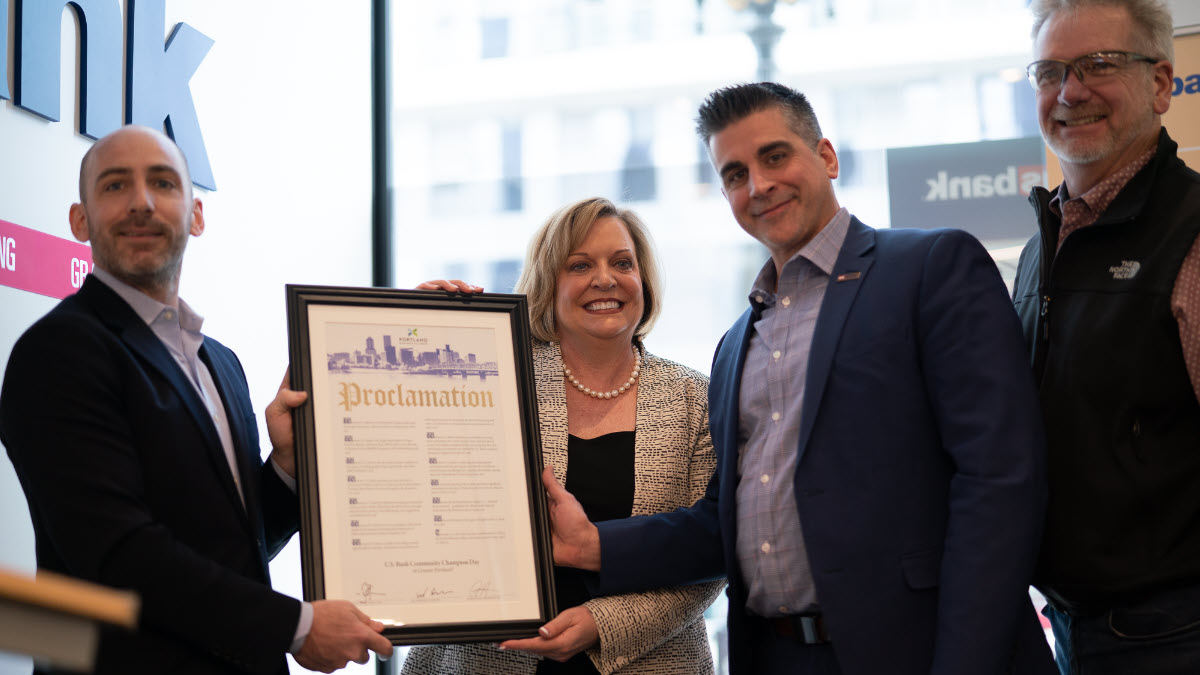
{"type": "Point", "coordinates": [626, 432]}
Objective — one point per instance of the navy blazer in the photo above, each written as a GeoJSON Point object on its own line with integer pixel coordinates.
{"type": "Point", "coordinates": [921, 477]}
{"type": "Point", "coordinates": [128, 486]}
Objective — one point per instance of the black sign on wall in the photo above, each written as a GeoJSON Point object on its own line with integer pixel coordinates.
{"type": "Point", "coordinates": [981, 187]}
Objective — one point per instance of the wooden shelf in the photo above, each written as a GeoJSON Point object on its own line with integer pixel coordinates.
{"type": "Point", "coordinates": [71, 596]}
{"type": "Point", "coordinates": [56, 619]}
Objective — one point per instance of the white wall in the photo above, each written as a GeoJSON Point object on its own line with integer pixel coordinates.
{"type": "Point", "coordinates": [1185, 12]}
{"type": "Point", "coordinates": [283, 100]}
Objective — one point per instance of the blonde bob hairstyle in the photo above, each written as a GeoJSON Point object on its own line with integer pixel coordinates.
{"type": "Point", "coordinates": [553, 243]}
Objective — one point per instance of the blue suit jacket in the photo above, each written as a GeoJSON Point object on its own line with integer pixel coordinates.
{"type": "Point", "coordinates": [128, 486]}
{"type": "Point", "coordinates": [920, 482]}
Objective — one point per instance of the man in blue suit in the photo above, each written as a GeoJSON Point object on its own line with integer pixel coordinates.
{"type": "Point", "coordinates": [134, 440]}
{"type": "Point", "coordinates": [880, 485]}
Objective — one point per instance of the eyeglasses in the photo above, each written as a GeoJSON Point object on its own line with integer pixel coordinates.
{"type": "Point", "coordinates": [1096, 66]}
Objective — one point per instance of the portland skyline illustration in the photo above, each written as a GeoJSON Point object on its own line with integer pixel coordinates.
{"type": "Point", "coordinates": [415, 360]}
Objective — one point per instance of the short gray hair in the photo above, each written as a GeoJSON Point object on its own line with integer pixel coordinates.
{"type": "Point", "coordinates": [1153, 27]}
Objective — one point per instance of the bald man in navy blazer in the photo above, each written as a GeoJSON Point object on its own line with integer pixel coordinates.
{"type": "Point", "coordinates": [880, 485]}
{"type": "Point", "coordinates": [134, 440]}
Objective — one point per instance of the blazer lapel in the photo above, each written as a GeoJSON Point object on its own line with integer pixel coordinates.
{"type": "Point", "coordinates": [551, 395]}
{"type": "Point", "coordinates": [142, 341]}
{"type": "Point", "coordinates": [849, 274]}
{"type": "Point", "coordinates": [724, 391]}
{"type": "Point", "coordinates": [228, 386]}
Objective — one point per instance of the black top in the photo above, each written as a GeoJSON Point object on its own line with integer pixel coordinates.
{"type": "Point", "coordinates": [1122, 420]}
{"type": "Point", "coordinates": [600, 475]}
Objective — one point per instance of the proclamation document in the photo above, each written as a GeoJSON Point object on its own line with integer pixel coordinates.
{"type": "Point", "coordinates": [422, 478]}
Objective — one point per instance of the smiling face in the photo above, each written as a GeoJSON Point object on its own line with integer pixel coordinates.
{"type": "Point", "coordinates": [779, 188]}
{"type": "Point", "coordinates": [137, 210]}
{"type": "Point", "coordinates": [1097, 127]}
{"type": "Point", "coordinates": [599, 288]}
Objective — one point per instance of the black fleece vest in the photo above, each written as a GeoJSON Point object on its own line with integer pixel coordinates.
{"type": "Point", "coordinates": [1122, 420]}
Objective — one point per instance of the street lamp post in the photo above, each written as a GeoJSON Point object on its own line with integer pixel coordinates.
{"type": "Point", "coordinates": [765, 33]}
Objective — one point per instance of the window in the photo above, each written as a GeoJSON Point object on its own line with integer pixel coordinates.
{"type": "Point", "coordinates": [565, 99]}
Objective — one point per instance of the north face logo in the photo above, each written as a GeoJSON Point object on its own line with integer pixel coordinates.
{"type": "Point", "coordinates": [1126, 270]}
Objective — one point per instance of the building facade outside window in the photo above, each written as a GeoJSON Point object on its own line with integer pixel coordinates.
{"type": "Point", "coordinates": [519, 107]}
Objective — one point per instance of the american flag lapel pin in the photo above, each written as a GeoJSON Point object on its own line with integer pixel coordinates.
{"type": "Point", "coordinates": [849, 276]}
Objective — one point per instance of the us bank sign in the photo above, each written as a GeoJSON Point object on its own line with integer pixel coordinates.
{"type": "Point", "coordinates": [156, 75]}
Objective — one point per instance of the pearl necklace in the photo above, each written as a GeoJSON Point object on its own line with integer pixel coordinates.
{"type": "Point", "coordinates": [637, 362]}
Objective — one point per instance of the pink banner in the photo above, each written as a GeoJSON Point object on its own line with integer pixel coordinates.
{"type": "Point", "coordinates": [41, 263]}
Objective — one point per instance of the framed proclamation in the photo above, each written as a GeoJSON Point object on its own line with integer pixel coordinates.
{"type": "Point", "coordinates": [418, 461]}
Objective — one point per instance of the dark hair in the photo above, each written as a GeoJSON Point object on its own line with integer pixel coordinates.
{"type": "Point", "coordinates": [732, 104]}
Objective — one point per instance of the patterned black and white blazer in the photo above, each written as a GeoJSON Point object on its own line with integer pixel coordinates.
{"type": "Point", "coordinates": [652, 633]}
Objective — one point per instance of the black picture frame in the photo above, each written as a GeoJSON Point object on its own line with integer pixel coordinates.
{"type": "Point", "coordinates": [441, 606]}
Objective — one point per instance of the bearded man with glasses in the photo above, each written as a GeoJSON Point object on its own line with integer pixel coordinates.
{"type": "Point", "coordinates": [1109, 296]}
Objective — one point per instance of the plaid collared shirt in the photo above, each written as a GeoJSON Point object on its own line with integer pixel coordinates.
{"type": "Point", "coordinates": [770, 545]}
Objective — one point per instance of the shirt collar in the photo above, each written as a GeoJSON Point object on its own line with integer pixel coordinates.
{"type": "Point", "coordinates": [821, 251]}
{"type": "Point", "coordinates": [147, 308]}
{"type": "Point", "coordinates": [1103, 193]}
